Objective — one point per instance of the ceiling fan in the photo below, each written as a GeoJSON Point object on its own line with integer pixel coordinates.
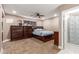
{"type": "Point", "coordinates": [37, 15]}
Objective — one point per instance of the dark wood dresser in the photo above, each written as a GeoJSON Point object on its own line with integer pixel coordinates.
{"type": "Point", "coordinates": [27, 31]}
{"type": "Point", "coordinates": [20, 32]}
{"type": "Point", "coordinates": [56, 38]}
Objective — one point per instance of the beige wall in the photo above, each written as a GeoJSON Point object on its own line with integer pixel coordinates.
{"type": "Point", "coordinates": [7, 25]}
{"type": "Point", "coordinates": [0, 22]}
{"type": "Point", "coordinates": [39, 23]}
{"type": "Point", "coordinates": [51, 24]}
{"type": "Point", "coordinates": [1, 10]}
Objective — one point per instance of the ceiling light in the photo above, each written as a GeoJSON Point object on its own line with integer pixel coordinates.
{"type": "Point", "coordinates": [14, 11]}
{"type": "Point", "coordinates": [55, 15]}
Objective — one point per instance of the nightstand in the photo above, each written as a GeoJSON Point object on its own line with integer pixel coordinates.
{"type": "Point", "coordinates": [56, 38]}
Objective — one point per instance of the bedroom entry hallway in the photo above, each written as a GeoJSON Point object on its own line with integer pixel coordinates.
{"type": "Point", "coordinates": [27, 31]}
{"type": "Point", "coordinates": [71, 30]}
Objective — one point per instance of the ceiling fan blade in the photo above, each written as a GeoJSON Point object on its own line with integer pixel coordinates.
{"type": "Point", "coordinates": [41, 15]}
{"type": "Point", "coordinates": [37, 14]}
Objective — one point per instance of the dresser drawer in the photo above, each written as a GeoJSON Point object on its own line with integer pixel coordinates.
{"type": "Point", "coordinates": [16, 32]}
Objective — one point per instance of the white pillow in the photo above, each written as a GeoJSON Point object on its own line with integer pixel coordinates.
{"type": "Point", "coordinates": [38, 29]}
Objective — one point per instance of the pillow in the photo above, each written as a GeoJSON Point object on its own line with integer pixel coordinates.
{"type": "Point", "coordinates": [38, 29]}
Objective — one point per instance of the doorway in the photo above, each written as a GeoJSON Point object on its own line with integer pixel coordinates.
{"type": "Point", "coordinates": [70, 26]}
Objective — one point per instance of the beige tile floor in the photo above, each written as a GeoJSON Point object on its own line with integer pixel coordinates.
{"type": "Point", "coordinates": [70, 49]}
{"type": "Point", "coordinates": [30, 46]}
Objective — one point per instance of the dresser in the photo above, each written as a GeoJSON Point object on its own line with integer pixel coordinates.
{"type": "Point", "coordinates": [27, 31]}
{"type": "Point", "coordinates": [20, 32]}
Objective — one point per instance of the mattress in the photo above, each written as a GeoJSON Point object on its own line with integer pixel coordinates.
{"type": "Point", "coordinates": [42, 32]}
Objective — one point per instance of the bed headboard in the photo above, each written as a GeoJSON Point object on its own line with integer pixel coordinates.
{"type": "Point", "coordinates": [38, 27]}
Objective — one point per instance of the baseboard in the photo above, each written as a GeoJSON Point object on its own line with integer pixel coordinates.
{"type": "Point", "coordinates": [6, 40]}
{"type": "Point", "coordinates": [1, 51]}
{"type": "Point", "coordinates": [60, 47]}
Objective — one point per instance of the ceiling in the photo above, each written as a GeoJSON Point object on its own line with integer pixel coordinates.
{"type": "Point", "coordinates": [30, 9]}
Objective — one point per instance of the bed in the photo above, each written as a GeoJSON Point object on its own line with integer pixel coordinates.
{"type": "Point", "coordinates": [42, 34]}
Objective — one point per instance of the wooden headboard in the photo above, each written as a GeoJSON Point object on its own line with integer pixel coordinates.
{"type": "Point", "coordinates": [38, 27]}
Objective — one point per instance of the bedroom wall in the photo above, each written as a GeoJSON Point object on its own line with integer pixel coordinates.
{"type": "Point", "coordinates": [0, 26]}
{"type": "Point", "coordinates": [7, 24]}
{"type": "Point", "coordinates": [39, 23]}
{"type": "Point", "coordinates": [51, 24]}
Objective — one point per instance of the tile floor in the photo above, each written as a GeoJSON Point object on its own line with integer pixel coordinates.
{"type": "Point", "coordinates": [30, 46]}
{"type": "Point", "coordinates": [70, 49]}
